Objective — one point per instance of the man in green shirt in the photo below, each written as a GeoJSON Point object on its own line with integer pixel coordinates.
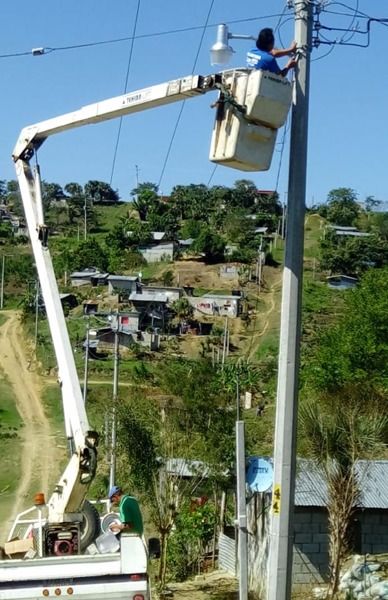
{"type": "Point", "coordinates": [130, 514]}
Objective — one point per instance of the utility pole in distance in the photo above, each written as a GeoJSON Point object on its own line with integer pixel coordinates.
{"type": "Point", "coordinates": [281, 533]}
{"type": "Point", "coordinates": [112, 472]}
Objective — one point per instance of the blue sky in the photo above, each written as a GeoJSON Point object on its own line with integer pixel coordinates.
{"type": "Point", "coordinates": [348, 125]}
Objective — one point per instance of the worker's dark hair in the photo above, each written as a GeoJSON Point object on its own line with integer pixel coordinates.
{"type": "Point", "coordinates": [265, 40]}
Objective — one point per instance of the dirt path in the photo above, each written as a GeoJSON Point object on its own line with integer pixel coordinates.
{"type": "Point", "coordinates": [37, 452]}
{"type": "Point", "coordinates": [272, 304]}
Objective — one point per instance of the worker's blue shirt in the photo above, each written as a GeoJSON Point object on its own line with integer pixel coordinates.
{"type": "Point", "coordinates": [258, 59]}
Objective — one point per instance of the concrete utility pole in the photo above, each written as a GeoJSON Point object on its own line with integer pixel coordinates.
{"type": "Point", "coordinates": [37, 292]}
{"type": "Point", "coordinates": [2, 283]}
{"type": "Point", "coordinates": [281, 532]}
{"type": "Point", "coordinates": [85, 219]}
{"type": "Point", "coordinates": [2, 280]}
{"type": "Point", "coordinates": [242, 536]}
{"type": "Point", "coordinates": [112, 474]}
{"type": "Point", "coordinates": [241, 512]}
{"type": "Point", "coordinates": [86, 366]}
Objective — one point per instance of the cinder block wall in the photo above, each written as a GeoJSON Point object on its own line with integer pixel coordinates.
{"type": "Point", "coordinates": [311, 542]}
{"type": "Point", "coordinates": [374, 531]}
{"type": "Point", "coordinates": [310, 557]}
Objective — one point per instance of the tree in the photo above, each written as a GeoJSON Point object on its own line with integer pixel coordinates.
{"type": "Point", "coordinates": [355, 348]}
{"type": "Point", "coordinates": [268, 204]}
{"type": "Point", "coordinates": [137, 232]}
{"type": "Point", "coordinates": [14, 198]}
{"type": "Point", "coordinates": [238, 226]}
{"type": "Point", "coordinates": [352, 255]}
{"type": "Point", "coordinates": [51, 193]}
{"type": "Point", "coordinates": [146, 199]}
{"type": "Point", "coordinates": [371, 203]}
{"type": "Point", "coordinates": [244, 193]}
{"type": "Point", "coordinates": [337, 439]}
{"type": "Point", "coordinates": [211, 245]}
{"type": "Point", "coordinates": [378, 223]}
{"type": "Point", "coordinates": [191, 229]}
{"type": "Point", "coordinates": [192, 201]}
{"type": "Point", "coordinates": [168, 278]}
{"type": "Point", "coordinates": [152, 439]}
{"type": "Point", "coordinates": [194, 530]}
{"type": "Point", "coordinates": [77, 202]}
{"type": "Point", "coordinates": [89, 253]}
{"type": "Point", "coordinates": [3, 191]}
{"type": "Point", "coordinates": [343, 208]}
{"type": "Point", "coordinates": [206, 409]}
{"type": "Point", "coordinates": [101, 192]}
{"type": "Point", "coordinates": [183, 310]}
{"type": "Point", "coordinates": [6, 230]}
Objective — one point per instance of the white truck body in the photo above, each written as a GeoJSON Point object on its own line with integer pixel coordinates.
{"type": "Point", "coordinates": [118, 576]}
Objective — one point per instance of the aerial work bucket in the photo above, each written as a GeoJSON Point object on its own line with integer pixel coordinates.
{"type": "Point", "coordinates": [251, 108]}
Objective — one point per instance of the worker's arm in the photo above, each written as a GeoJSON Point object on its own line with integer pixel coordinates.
{"type": "Point", "coordinates": [290, 65]}
{"type": "Point", "coordinates": [279, 52]}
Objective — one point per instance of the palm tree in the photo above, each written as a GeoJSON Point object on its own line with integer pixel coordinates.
{"type": "Point", "coordinates": [340, 429]}
{"type": "Point", "coordinates": [183, 310]}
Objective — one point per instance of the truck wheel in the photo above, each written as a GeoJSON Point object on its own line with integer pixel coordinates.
{"type": "Point", "coordinates": [90, 526]}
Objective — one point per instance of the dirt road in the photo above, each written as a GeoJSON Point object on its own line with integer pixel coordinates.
{"type": "Point", "coordinates": [38, 464]}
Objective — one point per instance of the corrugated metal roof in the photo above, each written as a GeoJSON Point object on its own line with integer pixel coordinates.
{"type": "Point", "coordinates": [186, 468]}
{"type": "Point", "coordinates": [123, 278]}
{"type": "Point", "coordinates": [342, 227]}
{"type": "Point", "coordinates": [221, 296]}
{"type": "Point", "coordinates": [311, 489]}
{"type": "Point", "coordinates": [353, 233]}
{"type": "Point", "coordinates": [148, 297]}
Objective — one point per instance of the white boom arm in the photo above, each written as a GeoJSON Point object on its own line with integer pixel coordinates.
{"type": "Point", "coordinates": [66, 500]}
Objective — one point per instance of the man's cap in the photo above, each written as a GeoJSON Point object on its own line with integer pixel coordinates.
{"type": "Point", "coordinates": [115, 489]}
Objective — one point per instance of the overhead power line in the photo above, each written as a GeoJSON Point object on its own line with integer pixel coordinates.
{"type": "Point", "coordinates": [48, 50]}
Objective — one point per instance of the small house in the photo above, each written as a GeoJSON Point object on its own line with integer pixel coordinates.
{"type": "Point", "coordinates": [152, 308]}
{"type": "Point", "coordinates": [89, 276]}
{"type": "Point", "coordinates": [172, 293]}
{"type": "Point", "coordinates": [348, 231]}
{"type": "Point", "coordinates": [163, 251]}
{"type": "Point", "coordinates": [221, 305]}
{"type": "Point", "coordinates": [125, 321]}
{"type": "Point", "coordinates": [123, 284]}
{"type": "Point", "coordinates": [90, 307]}
{"type": "Point", "coordinates": [68, 301]}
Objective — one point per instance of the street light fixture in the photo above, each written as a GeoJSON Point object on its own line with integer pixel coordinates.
{"type": "Point", "coordinates": [221, 53]}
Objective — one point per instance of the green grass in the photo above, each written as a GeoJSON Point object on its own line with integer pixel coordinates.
{"type": "Point", "coordinates": [259, 430]}
{"type": "Point", "coordinates": [109, 216]}
{"type": "Point", "coordinates": [10, 424]}
{"type": "Point", "coordinates": [313, 233]}
{"type": "Point", "coordinates": [52, 404]}
{"type": "Point", "coordinates": [153, 271]}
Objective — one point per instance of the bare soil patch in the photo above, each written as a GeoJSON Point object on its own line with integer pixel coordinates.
{"type": "Point", "coordinates": [38, 450]}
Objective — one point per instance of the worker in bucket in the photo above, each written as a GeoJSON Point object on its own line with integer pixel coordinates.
{"type": "Point", "coordinates": [131, 520]}
{"type": "Point", "coordinates": [264, 56]}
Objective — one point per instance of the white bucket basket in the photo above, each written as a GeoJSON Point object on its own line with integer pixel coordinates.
{"type": "Point", "coordinates": [246, 141]}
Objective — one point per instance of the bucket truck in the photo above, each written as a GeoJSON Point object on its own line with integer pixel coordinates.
{"type": "Point", "coordinates": [250, 108]}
